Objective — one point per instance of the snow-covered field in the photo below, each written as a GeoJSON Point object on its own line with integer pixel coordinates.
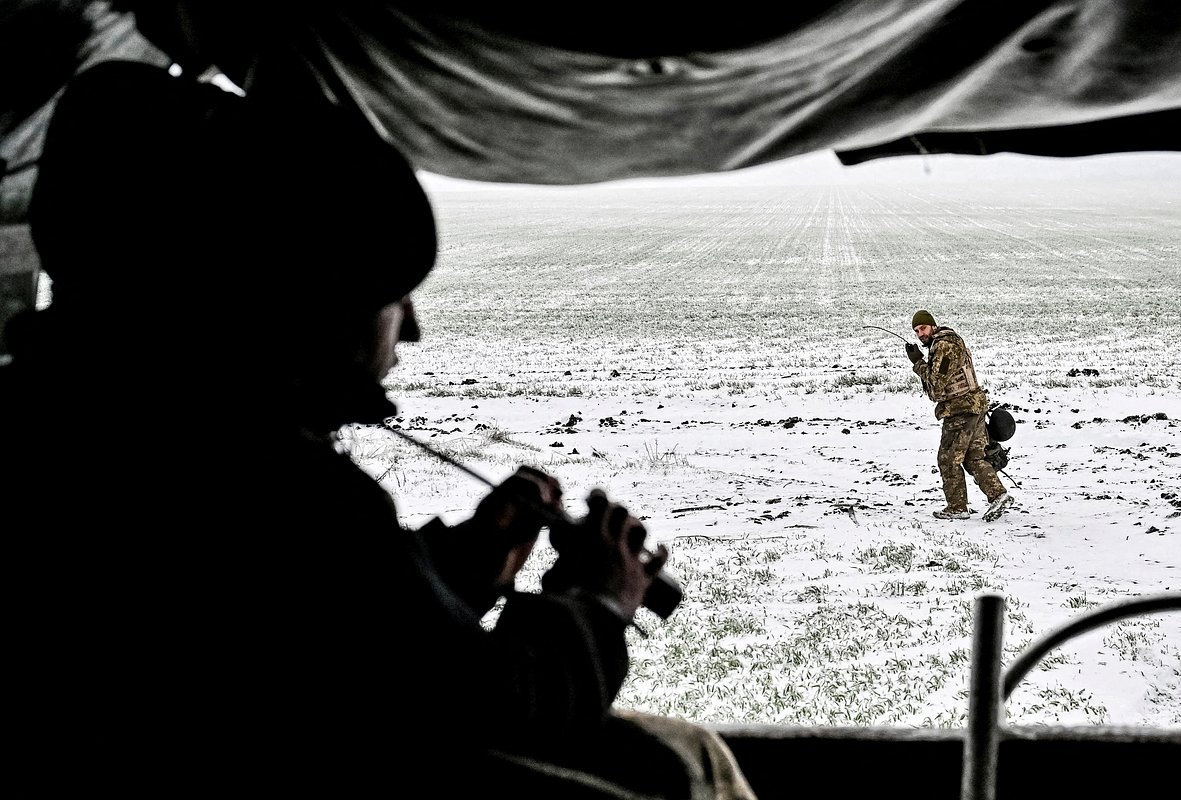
{"type": "Point", "coordinates": [701, 353]}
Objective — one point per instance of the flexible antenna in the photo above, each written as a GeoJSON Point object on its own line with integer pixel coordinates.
{"type": "Point", "coordinates": [439, 454]}
{"type": "Point", "coordinates": [887, 330]}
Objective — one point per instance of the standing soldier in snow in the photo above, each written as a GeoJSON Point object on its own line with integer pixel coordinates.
{"type": "Point", "coordinates": [950, 381]}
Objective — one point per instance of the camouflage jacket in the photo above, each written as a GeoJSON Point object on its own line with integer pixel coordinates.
{"type": "Point", "coordinates": [949, 377]}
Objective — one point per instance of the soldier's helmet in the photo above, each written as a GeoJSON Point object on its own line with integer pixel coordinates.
{"type": "Point", "coordinates": [1001, 425]}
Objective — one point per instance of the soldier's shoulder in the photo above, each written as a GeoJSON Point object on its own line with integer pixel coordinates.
{"type": "Point", "coordinates": [948, 336]}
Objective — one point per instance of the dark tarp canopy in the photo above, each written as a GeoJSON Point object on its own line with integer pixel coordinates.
{"type": "Point", "coordinates": [602, 92]}
{"type": "Point", "coordinates": [611, 91]}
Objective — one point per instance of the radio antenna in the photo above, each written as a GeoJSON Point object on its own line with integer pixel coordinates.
{"type": "Point", "coordinates": [883, 329]}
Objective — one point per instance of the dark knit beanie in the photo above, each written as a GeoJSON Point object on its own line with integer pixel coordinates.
{"type": "Point", "coordinates": [922, 318]}
{"type": "Point", "coordinates": [154, 190]}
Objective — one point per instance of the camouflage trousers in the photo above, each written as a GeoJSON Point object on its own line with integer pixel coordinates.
{"type": "Point", "coordinates": [961, 448]}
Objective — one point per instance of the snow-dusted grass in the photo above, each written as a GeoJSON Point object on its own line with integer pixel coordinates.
{"type": "Point", "coordinates": [700, 353]}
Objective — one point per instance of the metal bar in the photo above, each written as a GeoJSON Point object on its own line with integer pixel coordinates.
{"type": "Point", "coordinates": [978, 780]}
{"type": "Point", "coordinates": [1120, 609]}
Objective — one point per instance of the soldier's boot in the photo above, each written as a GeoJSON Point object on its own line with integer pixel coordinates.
{"type": "Point", "coordinates": [997, 507]}
{"type": "Point", "coordinates": [955, 492]}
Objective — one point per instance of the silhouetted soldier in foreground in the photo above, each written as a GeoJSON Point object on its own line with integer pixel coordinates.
{"type": "Point", "coordinates": [212, 596]}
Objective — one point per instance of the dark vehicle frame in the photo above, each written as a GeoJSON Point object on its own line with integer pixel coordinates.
{"type": "Point", "coordinates": [623, 92]}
